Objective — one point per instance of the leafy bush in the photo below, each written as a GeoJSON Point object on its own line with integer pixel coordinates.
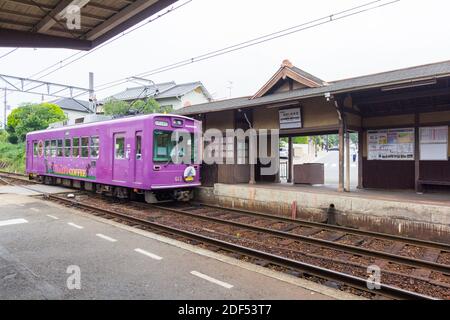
{"type": "Point", "coordinates": [12, 156]}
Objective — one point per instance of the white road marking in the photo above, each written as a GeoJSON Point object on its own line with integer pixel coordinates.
{"type": "Point", "coordinates": [210, 279]}
{"type": "Point", "coordinates": [35, 210]}
{"type": "Point", "coordinates": [53, 217]}
{"type": "Point", "coordinates": [12, 222]}
{"type": "Point", "coordinates": [105, 237]}
{"type": "Point", "coordinates": [75, 225]}
{"type": "Point", "coordinates": [148, 254]}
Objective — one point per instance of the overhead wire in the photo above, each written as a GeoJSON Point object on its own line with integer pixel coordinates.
{"type": "Point", "coordinates": [369, 6]}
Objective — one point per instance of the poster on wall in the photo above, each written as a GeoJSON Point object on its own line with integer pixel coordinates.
{"type": "Point", "coordinates": [291, 118]}
{"type": "Point", "coordinates": [391, 144]}
{"type": "Point", "coordinates": [434, 143]}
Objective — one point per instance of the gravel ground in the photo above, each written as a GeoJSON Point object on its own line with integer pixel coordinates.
{"type": "Point", "coordinates": [413, 251]}
{"type": "Point", "coordinates": [393, 273]}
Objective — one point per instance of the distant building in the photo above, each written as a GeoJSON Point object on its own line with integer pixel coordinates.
{"type": "Point", "coordinates": [168, 94]}
{"type": "Point", "coordinates": [74, 108]}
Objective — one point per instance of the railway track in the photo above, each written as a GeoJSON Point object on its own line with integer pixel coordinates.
{"type": "Point", "coordinates": [7, 177]}
{"type": "Point", "coordinates": [336, 238]}
{"type": "Point", "coordinates": [150, 221]}
{"type": "Point", "coordinates": [424, 258]}
{"type": "Point", "coordinates": [334, 228]}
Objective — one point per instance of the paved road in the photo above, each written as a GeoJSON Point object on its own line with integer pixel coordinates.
{"type": "Point", "coordinates": [40, 241]}
{"type": "Point", "coordinates": [331, 162]}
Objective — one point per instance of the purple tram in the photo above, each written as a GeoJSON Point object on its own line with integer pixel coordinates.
{"type": "Point", "coordinates": [121, 157]}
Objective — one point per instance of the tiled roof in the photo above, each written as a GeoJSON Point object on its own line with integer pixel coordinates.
{"type": "Point", "coordinates": [434, 70]}
{"type": "Point", "coordinates": [159, 91]}
{"type": "Point", "coordinates": [307, 75]}
{"type": "Point", "coordinates": [73, 104]}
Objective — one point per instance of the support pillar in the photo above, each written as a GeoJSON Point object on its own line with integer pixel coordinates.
{"type": "Point", "coordinates": [253, 157]}
{"type": "Point", "coordinates": [347, 161]}
{"type": "Point", "coordinates": [417, 153]}
{"type": "Point", "coordinates": [360, 158]}
{"type": "Point", "coordinates": [341, 156]}
{"type": "Point", "coordinates": [252, 174]}
{"type": "Point", "coordinates": [290, 160]}
{"type": "Point", "coordinates": [342, 129]}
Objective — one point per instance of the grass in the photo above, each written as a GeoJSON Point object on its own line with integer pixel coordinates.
{"type": "Point", "coordinates": [12, 156]}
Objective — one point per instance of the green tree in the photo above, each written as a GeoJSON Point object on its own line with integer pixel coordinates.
{"type": "Point", "coordinates": [123, 108]}
{"type": "Point", "coordinates": [354, 138]}
{"type": "Point", "coordinates": [32, 117]}
{"type": "Point", "coordinates": [333, 141]}
{"type": "Point", "coordinates": [116, 108]}
{"type": "Point", "coordinates": [300, 140]}
{"type": "Point", "coordinates": [147, 106]}
{"type": "Point", "coordinates": [3, 136]}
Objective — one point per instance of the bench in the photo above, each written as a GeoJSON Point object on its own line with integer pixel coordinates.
{"type": "Point", "coordinates": [432, 182]}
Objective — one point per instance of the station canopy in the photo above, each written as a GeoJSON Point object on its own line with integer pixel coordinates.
{"type": "Point", "coordinates": [71, 24]}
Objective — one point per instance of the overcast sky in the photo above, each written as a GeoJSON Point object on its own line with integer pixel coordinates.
{"type": "Point", "coordinates": [407, 33]}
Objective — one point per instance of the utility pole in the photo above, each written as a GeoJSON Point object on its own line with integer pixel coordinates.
{"type": "Point", "coordinates": [230, 87]}
{"type": "Point", "coordinates": [4, 111]}
{"type": "Point", "coordinates": [92, 98]}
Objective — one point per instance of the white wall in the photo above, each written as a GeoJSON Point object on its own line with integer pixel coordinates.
{"type": "Point", "coordinates": [174, 102]}
{"type": "Point", "coordinates": [71, 115]}
{"type": "Point", "coordinates": [194, 98]}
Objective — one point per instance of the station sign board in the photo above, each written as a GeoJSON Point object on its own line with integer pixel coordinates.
{"type": "Point", "coordinates": [291, 118]}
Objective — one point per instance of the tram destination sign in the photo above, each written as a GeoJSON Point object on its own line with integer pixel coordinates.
{"type": "Point", "coordinates": [291, 118]}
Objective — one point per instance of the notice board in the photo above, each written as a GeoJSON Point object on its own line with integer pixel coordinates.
{"type": "Point", "coordinates": [391, 144]}
{"type": "Point", "coordinates": [434, 143]}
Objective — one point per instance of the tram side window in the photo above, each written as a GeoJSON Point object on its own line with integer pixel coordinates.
{"type": "Point", "coordinates": [138, 148]}
{"type": "Point", "coordinates": [47, 148]}
{"type": "Point", "coordinates": [53, 148]}
{"type": "Point", "coordinates": [35, 148]}
{"type": "Point", "coordinates": [60, 148]}
{"type": "Point", "coordinates": [84, 147]}
{"type": "Point", "coordinates": [76, 147]}
{"type": "Point", "coordinates": [120, 148]}
{"type": "Point", "coordinates": [67, 147]}
{"type": "Point", "coordinates": [95, 147]}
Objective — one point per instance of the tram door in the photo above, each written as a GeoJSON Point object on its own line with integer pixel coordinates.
{"type": "Point", "coordinates": [30, 155]}
{"type": "Point", "coordinates": [138, 159]}
{"type": "Point", "coordinates": [121, 157]}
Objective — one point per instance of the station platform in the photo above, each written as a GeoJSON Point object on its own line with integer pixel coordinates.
{"type": "Point", "coordinates": [33, 189]}
{"type": "Point", "coordinates": [425, 216]}
{"type": "Point", "coordinates": [43, 245]}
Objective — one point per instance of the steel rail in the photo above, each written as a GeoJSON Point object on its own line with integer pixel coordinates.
{"type": "Point", "coordinates": [301, 222]}
{"type": "Point", "coordinates": [315, 241]}
{"type": "Point", "coordinates": [353, 281]}
{"type": "Point", "coordinates": [347, 230]}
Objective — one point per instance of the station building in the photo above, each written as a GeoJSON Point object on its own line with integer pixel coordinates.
{"type": "Point", "coordinates": [401, 118]}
